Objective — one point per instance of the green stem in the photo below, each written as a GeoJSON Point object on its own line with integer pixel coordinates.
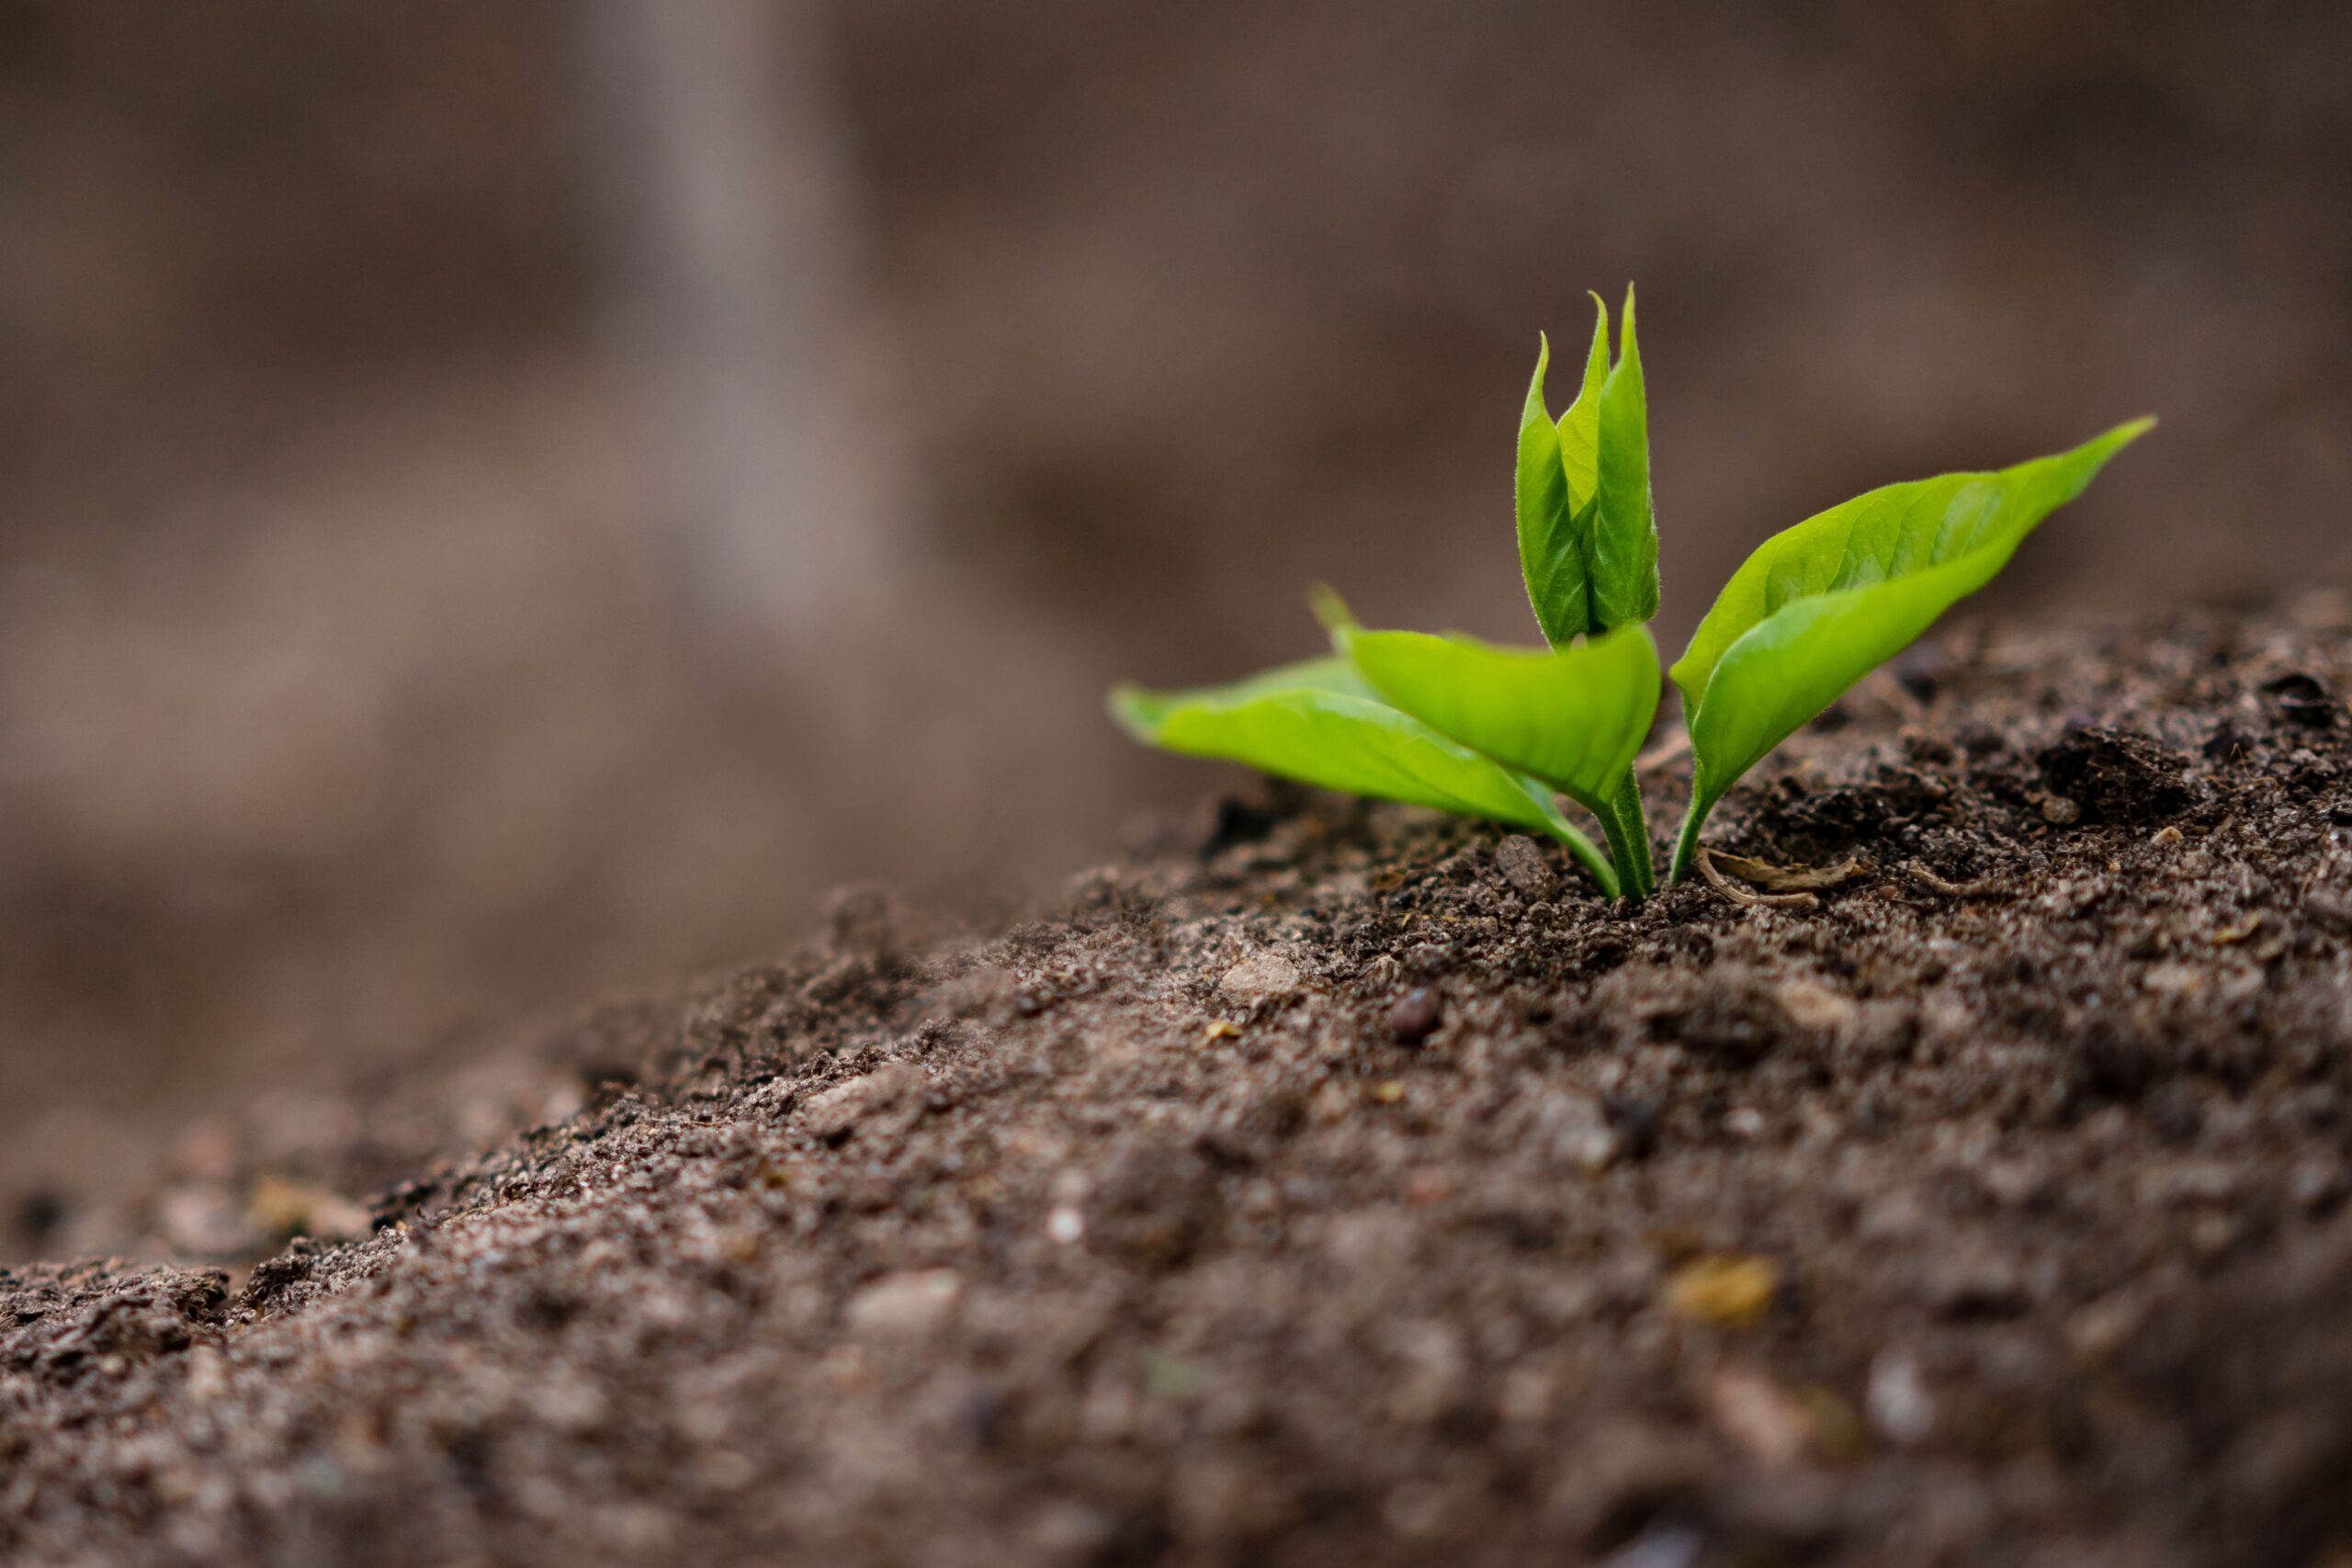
{"type": "Point", "coordinates": [1620, 854]}
{"type": "Point", "coordinates": [1631, 839]}
{"type": "Point", "coordinates": [1687, 845]}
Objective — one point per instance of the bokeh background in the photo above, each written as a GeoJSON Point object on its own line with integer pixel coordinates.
{"type": "Point", "coordinates": [504, 504]}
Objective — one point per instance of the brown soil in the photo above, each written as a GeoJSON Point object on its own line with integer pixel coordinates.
{"type": "Point", "coordinates": [1359, 1188]}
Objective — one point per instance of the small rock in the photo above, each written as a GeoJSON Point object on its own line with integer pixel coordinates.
{"type": "Point", "coordinates": [1660, 1546]}
{"type": "Point", "coordinates": [832, 1116]}
{"type": "Point", "coordinates": [1522, 865]}
{"type": "Point", "coordinates": [1416, 1016]}
{"type": "Point", "coordinates": [1575, 1129]}
{"type": "Point", "coordinates": [2059, 811]}
{"type": "Point", "coordinates": [1260, 978]}
{"type": "Point", "coordinates": [1898, 1400]}
{"type": "Point", "coordinates": [907, 1305]}
{"type": "Point", "coordinates": [1813, 1006]}
{"type": "Point", "coordinates": [1761, 1418]}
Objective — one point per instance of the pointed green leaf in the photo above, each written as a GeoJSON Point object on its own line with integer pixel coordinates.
{"type": "Point", "coordinates": [1551, 558]}
{"type": "Point", "coordinates": [1580, 426]}
{"type": "Point", "coordinates": [1572, 717]}
{"type": "Point", "coordinates": [1315, 722]}
{"type": "Point", "coordinates": [1820, 605]}
{"type": "Point", "coordinates": [1622, 565]}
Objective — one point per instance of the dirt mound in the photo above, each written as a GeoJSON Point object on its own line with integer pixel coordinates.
{"type": "Point", "coordinates": [1363, 1189]}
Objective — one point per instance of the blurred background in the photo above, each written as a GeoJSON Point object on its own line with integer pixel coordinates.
{"type": "Point", "coordinates": [504, 504]}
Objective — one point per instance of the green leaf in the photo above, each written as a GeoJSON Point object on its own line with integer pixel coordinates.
{"type": "Point", "coordinates": [1820, 605]}
{"type": "Point", "coordinates": [1580, 426]}
{"type": "Point", "coordinates": [1624, 524]}
{"type": "Point", "coordinates": [1318, 722]}
{"type": "Point", "coordinates": [1144, 714]}
{"type": "Point", "coordinates": [1551, 556]}
{"type": "Point", "coordinates": [1587, 544]}
{"type": "Point", "coordinates": [1572, 717]}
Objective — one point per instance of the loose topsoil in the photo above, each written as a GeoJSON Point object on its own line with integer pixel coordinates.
{"type": "Point", "coordinates": [1338, 1184]}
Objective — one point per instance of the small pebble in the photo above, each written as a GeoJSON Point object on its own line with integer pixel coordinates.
{"type": "Point", "coordinates": [1260, 978]}
{"type": "Point", "coordinates": [1522, 863]}
{"type": "Point", "coordinates": [1660, 1546]}
{"type": "Point", "coordinates": [1763, 1419]}
{"type": "Point", "coordinates": [1416, 1016]}
{"type": "Point", "coordinates": [1898, 1400]}
{"type": "Point", "coordinates": [830, 1117]}
{"type": "Point", "coordinates": [906, 1304]}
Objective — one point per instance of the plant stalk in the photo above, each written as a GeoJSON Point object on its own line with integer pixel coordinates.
{"type": "Point", "coordinates": [1629, 838]}
{"type": "Point", "coordinates": [1687, 845]}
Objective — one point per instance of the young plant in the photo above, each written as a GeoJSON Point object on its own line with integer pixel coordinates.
{"type": "Point", "coordinates": [1466, 727]}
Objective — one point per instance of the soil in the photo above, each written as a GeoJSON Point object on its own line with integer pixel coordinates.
{"type": "Point", "coordinates": [1343, 1184]}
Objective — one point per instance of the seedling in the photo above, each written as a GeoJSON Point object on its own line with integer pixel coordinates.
{"type": "Point", "coordinates": [1466, 727]}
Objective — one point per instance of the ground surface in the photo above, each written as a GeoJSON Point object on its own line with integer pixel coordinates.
{"type": "Point", "coordinates": [1356, 1188]}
